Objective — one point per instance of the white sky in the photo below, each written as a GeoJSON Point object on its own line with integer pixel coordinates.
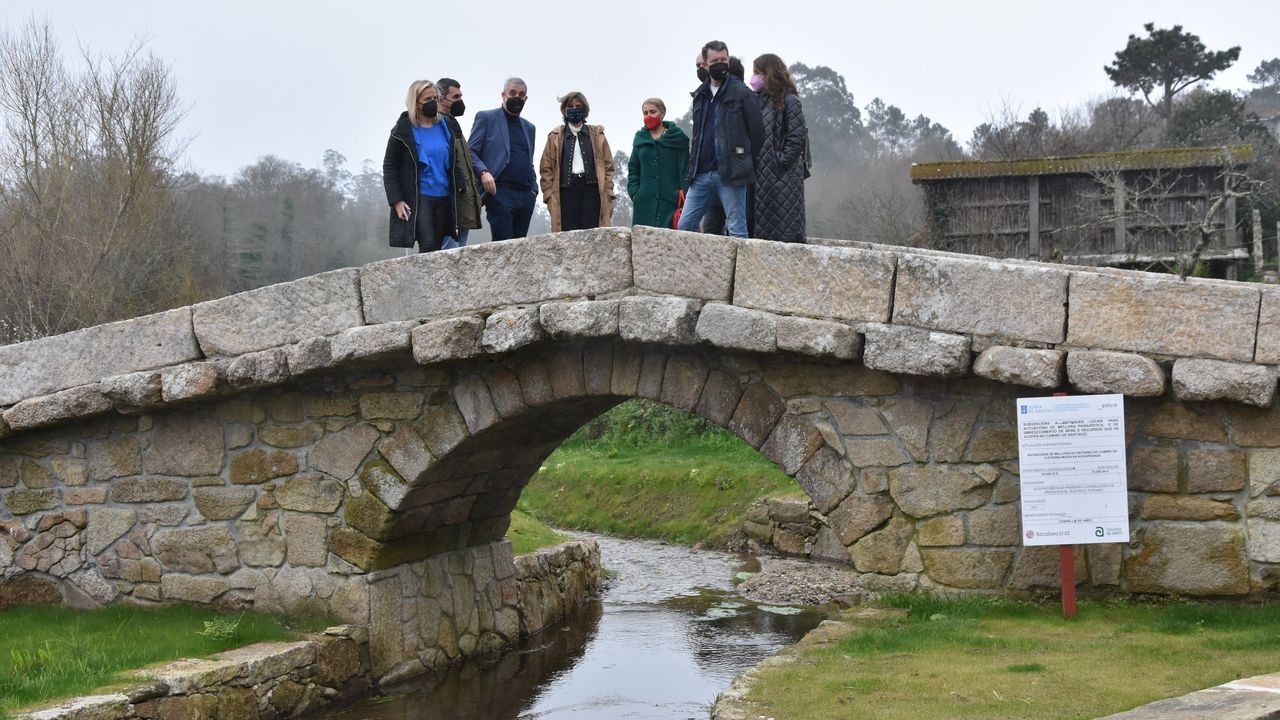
{"type": "Point", "coordinates": [294, 78]}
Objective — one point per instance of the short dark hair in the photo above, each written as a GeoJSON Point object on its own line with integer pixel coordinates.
{"type": "Point", "coordinates": [444, 85]}
{"type": "Point", "coordinates": [735, 69]}
{"type": "Point", "coordinates": [713, 45]}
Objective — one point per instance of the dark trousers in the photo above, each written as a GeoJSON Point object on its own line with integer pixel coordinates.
{"type": "Point", "coordinates": [434, 221]}
{"type": "Point", "coordinates": [579, 204]}
{"type": "Point", "coordinates": [509, 212]}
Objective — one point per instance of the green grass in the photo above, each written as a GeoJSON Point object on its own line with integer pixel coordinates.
{"type": "Point", "coordinates": [527, 534]}
{"type": "Point", "coordinates": [646, 470]}
{"type": "Point", "coordinates": [50, 653]}
{"type": "Point", "coordinates": [994, 658]}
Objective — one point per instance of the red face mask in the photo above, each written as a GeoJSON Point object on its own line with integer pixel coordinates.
{"type": "Point", "coordinates": [652, 121]}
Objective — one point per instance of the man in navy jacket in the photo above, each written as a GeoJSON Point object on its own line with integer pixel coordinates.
{"type": "Point", "coordinates": [502, 152]}
{"type": "Point", "coordinates": [727, 135]}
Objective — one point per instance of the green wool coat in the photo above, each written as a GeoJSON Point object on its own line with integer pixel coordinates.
{"type": "Point", "coordinates": [655, 175]}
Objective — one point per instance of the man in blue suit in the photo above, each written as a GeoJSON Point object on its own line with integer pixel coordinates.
{"type": "Point", "coordinates": [502, 153]}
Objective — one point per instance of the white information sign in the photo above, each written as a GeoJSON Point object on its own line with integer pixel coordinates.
{"type": "Point", "coordinates": [1072, 461]}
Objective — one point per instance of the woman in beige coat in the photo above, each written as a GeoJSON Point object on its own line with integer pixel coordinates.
{"type": "Point", "coordinates": [577, 170]}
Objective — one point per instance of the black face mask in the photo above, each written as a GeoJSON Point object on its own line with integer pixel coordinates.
{"type": "Point", "coordinates": [703, 74]}
{"type": "Point", "coordinates": [430, 109]}
{"type": "Point", "coordinates": [719, 71]}
{"type": "Point", "coordinates": [515, 105]}
{"type": "Point", "coordinates": [457, 108]}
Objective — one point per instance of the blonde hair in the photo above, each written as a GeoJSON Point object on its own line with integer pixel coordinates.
{"type": "Point", "coordinates": [656, 102]}
{"type": "Point", "coordinates": [411, 100]}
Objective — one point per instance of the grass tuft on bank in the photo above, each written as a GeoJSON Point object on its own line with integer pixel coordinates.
{"type": "Point", "coordinates": [51, 653]}
{"type": "Point", "coordinates": [647, 470]}
{"type": "Point", "coordinates": [528, 534]}
{"type": "Point", "coordinates": [997, 658]}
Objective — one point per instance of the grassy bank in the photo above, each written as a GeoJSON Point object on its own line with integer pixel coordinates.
{"type": "Point", "coordinates": [646, 470]}
{"type": "Point", "coordinates": [528, 534]}
{"type": "Point", "coordinates": [977, 657]}
{"type": "Point", "coordinates": [48, 653]}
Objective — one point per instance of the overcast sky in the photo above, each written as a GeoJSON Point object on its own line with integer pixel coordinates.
{"type": "Point", "coordinates": [293, 78]}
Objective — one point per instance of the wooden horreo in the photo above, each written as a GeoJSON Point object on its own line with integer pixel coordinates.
{"type": "Point", "coordinates": [1132, 208]}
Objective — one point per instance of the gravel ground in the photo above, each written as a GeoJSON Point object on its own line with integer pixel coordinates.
{"type": "Point", "coordinates": [799, 582]}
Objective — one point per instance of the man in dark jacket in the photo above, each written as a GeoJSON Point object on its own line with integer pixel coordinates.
{"type": "Point", "coordinates": [502, 154]}
{"type": "Point", "coordinates": [465, 180]}
{"type": "Point", "coordinates": [727, 135]}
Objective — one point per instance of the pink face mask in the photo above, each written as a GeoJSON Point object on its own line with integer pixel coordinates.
{"type": "Point", "coordinates": [757, 82]}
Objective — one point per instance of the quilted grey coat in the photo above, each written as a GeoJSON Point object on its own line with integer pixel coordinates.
{"type": "Point", "coordinates": [779, 189]}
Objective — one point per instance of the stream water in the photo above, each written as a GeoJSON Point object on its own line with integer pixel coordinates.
{"type": "Point", "coordinates": [667, 635]}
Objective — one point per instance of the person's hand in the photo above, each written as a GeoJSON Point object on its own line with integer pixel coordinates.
{"type": "Point", "coordinates": [402, 210]}
{"type": "Point", "coordinates": [486, 179]}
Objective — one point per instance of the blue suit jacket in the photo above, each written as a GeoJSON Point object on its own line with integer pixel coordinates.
{"type": "Point", "coordinates": [491, 146]}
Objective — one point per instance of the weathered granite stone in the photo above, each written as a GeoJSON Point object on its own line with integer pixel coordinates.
{"type": "Point", "coordinates": [875, 452]}
{"type": "Point", "coordinates": [443, 429]}
{"type": "Point", "coordinates": [1170, 317]}
{"type": "Point", "coordinates": [190, 381]}
{"type": "Point", "coordinates": [259, 540]}
{"type": "Point", "coordinates": [306, 540]}
{"type": "Point", "coordinates": [290, 436]}
{"type": "Point", "coordinates": [196, 550]}
{"type": "Point", "coordinates": [1217, 380]}
{"type": "Point", "coordinates": [825, 477]}
{"type": "Point", "coordinates": [966, 567]}
{"type": "Point", "coordinates": [112, 458]}
{"type": "Point", "coordinates": [793, 441]}
{"type": "Point", "coordinates": [308, 356]}
{"type": "Point", "coordinates": [258, 466]}
{"type": "Point", "coordinates": [449, 339]}
{"type": "Point", "coordinates": [148, 490]}
{"type": "Point", "coordinates": [941, 531]}
{"type": "Point", "coordinates": [1105, 561]}
{"type": "Point", "coordinates": [858, 515]}
{"type": "Point", "coordinates": [668, 320]}
{"type": "Point", "coordinates": [796, 279]}
{"type": "Point", "coordinates": [512, 328]}
{"type": "Point", "coordinates": [756, 414]}
{"type": "Point", "coordinates": [258, 369]}
{"type": "Point", "coordinates": [1174, 507]}
{"type": "Point", "coordinates": [223, 503]}
{"type": "Point", "coordinates": [25, 502]}
{"type": "Point", "coordinates": [47, 365]}
{"type": "Point", "coordinates": [1264, 540]}
{"type": "Point", "coordinates": [189, 588]}
{"type": "Point", "coordinates": [579, 319]}
{"type": "Point", "coordinates": [720, 397]}
{"type": "Point", "coordinates": [1215, 471]}
{"type": "Point", "coordinates": [597, 369]}
{"type": "Point", "coordinates": [995, 525]}
{"type": "Point", "coordinates": [791, 379]}
{"type": "Point", "coordinates": [854, 419]}
{"type": "Point", "coordinates": [882, 551]}
{"type": "Point", "coordinates": [1039, 567]}
{"type": "Point", "coordinates": [1020, 366]}
{"type": "Point", "coordinates": [681, 263]}
{"type": "Point", "coordinates": [1268, 348]}
{"type": "Point", "coordinates": [527, 270]}
{"type": "Point", "coordinates": [1103, 371]}
{"type": "Point", "coordinates": [1255, 427]}
{"type": "Point", "coordinates": [133, 392]}
{"type": "Point", "coordinates": [819, 338]}
{"type": "Point", "coordinates": [339, 454]}
{"type": "Point", "coordinates": [372, 342]}
{"type": "Point", "coordinates": [992, 443]}
{"type": "Point", "coordinates": [914, 351]}
{"type": "Point", "coordinates": [78, 402]}
{"type": "Point", "coordinates": [826, 546]}
{"type": "Point", "coordinates": [652, 369]}
{"type": "Point", "coordinates": [476, 405]}
{"type": "Point", "coordinates": [737, 328]}
{"type": "Point", "coordinates": [981, 297]}
{"type": "Point", "coordinates": [909, 419]}
{"type": "Point", "coordinates": [309, 493]}
{"type": "Point", "coordinates": [106, 525]}
{"type": "Point", "coordinates": [684, 380]}
{"type": "Point", "coordinates": [279, 314]}
{"type": "Point", "coordinates": [384, 483]}
{"type": "Point", "coordinates": [189, 445]}
{"type": "Point", "coordinates": [1189, 558]}
{"type": "Point", "coordinates": [407, 453]}
{"type": "Point", "coordinates": [1185, 422]}
{"type": "Point", "coordinates": [390, 405]}
{"type": "Point", "coordinates": [921, 491]}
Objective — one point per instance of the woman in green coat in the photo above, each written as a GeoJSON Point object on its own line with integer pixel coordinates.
{"type": "Point", "coordinates": [655, 175]}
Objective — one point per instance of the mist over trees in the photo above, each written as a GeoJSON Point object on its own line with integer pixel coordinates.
{"type": "Point", "coordinates": [99, 221]}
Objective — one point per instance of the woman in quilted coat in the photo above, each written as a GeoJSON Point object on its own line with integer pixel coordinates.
{"type": "Point", "coordinates": [780, 174]}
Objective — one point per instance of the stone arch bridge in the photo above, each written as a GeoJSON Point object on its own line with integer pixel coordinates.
{"type": "Point", "coordinates": [354, 442]}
